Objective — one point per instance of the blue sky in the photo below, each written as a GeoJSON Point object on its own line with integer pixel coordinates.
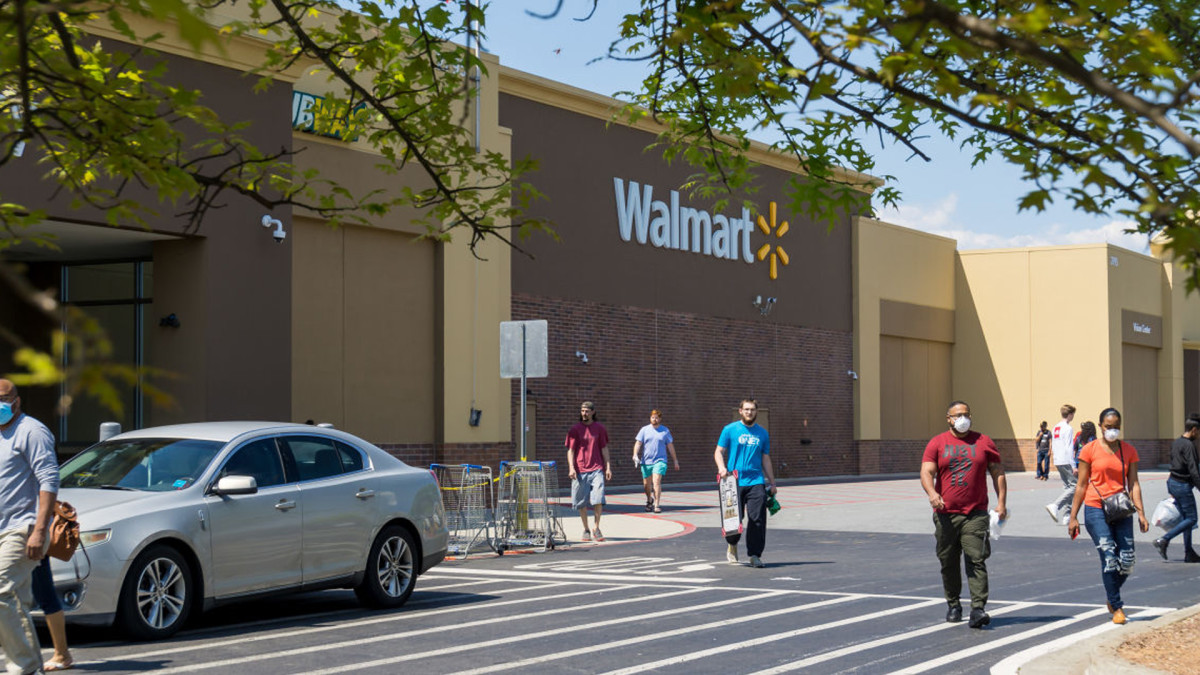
{"type": "Point", "coordinates": [946, 196]}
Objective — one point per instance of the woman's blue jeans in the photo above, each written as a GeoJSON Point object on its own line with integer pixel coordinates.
{"type": "Point", "coordinates": [1115, 544]}
{"type": "Point", "coordinates": [1186, 503]}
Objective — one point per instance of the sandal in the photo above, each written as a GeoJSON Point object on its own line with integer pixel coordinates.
{"type": "Point", "coordinates": [658, 509]}
{"type": "Point", "coordinates": [55, 666]}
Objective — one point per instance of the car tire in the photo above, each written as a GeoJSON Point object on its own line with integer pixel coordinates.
{"type": "Point", "coordinates": [156, 597]}
{"type": "Point", "coordinates": [391, 571]}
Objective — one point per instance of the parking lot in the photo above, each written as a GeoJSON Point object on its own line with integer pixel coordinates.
{"type": "Point", "coordinates": [851, 586]}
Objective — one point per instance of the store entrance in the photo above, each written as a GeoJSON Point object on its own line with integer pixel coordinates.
{"type": "Point", "coordinates": [108, 302]}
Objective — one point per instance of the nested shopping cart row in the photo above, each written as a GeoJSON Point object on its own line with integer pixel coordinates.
{"type": "Point", "coordinates": [522, 513]}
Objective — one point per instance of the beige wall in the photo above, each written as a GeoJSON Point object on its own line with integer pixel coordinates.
{"type": "Point", "coordinates": [414, 335]}
{"type": "Point", "coordinates": [1019, 355]}
{"type": "Point", "coordinates": [901, 265]}
{"type": "Point", "coordinates": [363, 331]}
{"type": "Point", "coordinates": [1143, 284]}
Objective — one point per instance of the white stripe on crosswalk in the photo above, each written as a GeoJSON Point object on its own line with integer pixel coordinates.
{"type": "Point", "coordinates": [373, 640]}
{"type": "Point", "coordinates": [394, 618]}
{"type": "Point", "coordinates": [589, 576]}
{"type": "Point", "coordinates": [577, 629]}
{"type": "Point", "coordinates": [766, 639]}
{"type": "Point", "coordinates": [996, 644]}
{"type": "Point", "coordinates": [861, 647]}
{"type": "Point", "coordinates": [686, 630]}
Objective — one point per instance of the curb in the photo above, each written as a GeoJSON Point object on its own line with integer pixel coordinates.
{"type": "Point", "coordinates": [1098, 655]}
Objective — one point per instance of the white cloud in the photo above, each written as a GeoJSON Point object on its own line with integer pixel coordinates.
{"type": "Point", "coordinates": [941, 218]}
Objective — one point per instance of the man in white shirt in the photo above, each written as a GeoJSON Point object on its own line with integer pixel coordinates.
{"type": "Point", "coordinates": [1062, 442]}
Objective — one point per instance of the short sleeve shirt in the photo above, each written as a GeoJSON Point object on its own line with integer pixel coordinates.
{"type": "Point", "coordinates": [962, 470]}
{"type": "Point", "coordinates": [588, 440]}
{"type": "Point", "coordinates": [1107, 473]}
{"type": "Point", "coordinates": [654, 443]}
{"type": "Point", "coordinates": [746, 447]}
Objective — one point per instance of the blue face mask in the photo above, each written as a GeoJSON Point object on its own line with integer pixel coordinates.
{"type": "Point", "coordinates": [6, 412]}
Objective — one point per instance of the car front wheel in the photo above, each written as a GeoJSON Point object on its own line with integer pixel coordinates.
{"type": "Point", "coordinates": [157, 594]}
{"type": "Point", "coordinates": [391, 569]}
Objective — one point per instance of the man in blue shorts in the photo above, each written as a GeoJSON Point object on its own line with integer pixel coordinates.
{"type": "Point", "coordinates": [748, 447]}
{"type": "Point", "coordinates": [650, 451]}
{"type": "Point", "coordinates": [588, 467]}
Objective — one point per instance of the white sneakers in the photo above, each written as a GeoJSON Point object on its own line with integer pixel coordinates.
{"type": "Point", "coordinates": [756, 561]}
{"type": "Point", "coordinates": [1052, 509]}
{"type": "Point", "coordinates": [731, 555]}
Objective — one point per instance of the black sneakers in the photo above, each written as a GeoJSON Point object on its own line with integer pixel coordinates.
{"type": "Point", "coordinates": [1160, 545]}
{"type": "Point", "coordinates": [979, 618]}
{"type": "Point", "coordinates": [954, 615]}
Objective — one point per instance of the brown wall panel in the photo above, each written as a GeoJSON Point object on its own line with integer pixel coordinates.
{"type": "Point", "coordinates": [579, 158]}
{"type": "Point", "coordinates": [1140, 375]}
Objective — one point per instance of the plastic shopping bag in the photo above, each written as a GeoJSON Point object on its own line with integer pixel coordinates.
{"type": "Point", "coordinates": [995, 524]}
{"type": "Point", "coordinates": [1166, 514]}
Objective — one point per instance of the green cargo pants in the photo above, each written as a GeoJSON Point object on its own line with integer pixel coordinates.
{"type": "Point", "coordinates": [962, 536]}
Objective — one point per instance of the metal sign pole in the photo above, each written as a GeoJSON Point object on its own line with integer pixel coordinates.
{"type": "Point", "coordinates": [524, 370]}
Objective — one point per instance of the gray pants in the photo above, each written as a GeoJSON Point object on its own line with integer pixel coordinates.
{"type": "Point", "coordinates": [1068, 494]}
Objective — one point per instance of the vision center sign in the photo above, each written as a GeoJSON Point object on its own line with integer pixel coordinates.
{"type": "Point", "coordinates": [669, 224]}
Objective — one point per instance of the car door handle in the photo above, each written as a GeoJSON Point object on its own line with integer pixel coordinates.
{"type": "Point", "coordinates": [286, 504]}
{"type": "Point", "coordinates": [364, 493]}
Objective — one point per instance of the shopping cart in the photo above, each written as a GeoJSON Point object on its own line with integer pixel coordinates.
{"type": "Point", "coordinates": [467, 499]}
{"type": "Point", "coordinates": [527, 511]}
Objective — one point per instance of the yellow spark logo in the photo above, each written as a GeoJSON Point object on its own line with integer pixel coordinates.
{"type": "Point", "coordinates": [778, 254]}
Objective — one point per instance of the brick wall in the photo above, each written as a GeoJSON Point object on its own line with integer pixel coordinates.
{"type": "Point", "coordinates": [695, 369]}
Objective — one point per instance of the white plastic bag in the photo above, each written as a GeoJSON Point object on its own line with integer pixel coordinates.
{"type": "Point", "coordinates": [995, 524]}
{"type": "Point", "coordinates": [1166, 514]}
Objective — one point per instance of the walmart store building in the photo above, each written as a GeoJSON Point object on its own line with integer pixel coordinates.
{"type": "Point", "coordinates": [654, 300]}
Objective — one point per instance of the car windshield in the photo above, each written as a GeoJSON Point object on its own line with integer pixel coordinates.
{"type": "Point", "coordinates": [154, 464]}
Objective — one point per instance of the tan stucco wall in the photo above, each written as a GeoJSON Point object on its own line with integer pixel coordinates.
{"type": "Point", "coordinates": [899, 264]}
{"type": "Point", "coordinates": [1019, 355]}
{"type": "Point", "coordinates": [1142, 284]}
{"type": "Point", "coordinates": [363, 331]}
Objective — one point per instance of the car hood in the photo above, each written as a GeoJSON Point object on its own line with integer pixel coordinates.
{"type": "Point", "coordinates": [97, 508]}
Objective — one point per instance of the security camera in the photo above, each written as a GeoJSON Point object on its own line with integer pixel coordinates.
{"type": "Point", "coordinates": [278, 234]}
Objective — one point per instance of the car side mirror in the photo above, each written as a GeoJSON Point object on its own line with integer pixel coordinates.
{"type": "Point", "coordinates": [236, 485]}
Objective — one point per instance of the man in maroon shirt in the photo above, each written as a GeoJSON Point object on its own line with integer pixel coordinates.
{"type": "Point", "coordinates": [588, 466]}
{"type": "Point", "coordinates": [954, 473]}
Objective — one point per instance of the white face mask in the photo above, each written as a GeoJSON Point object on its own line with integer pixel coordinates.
{"type": "Point", "coordinates": [1111, 435]}
{"type": "Point", "coordinates": [962, 424]}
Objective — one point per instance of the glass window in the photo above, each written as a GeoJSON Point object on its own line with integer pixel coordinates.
{"type": "Point", "coordinates": [154, 464]}
{"type": "Point", "coordinates": [259, 459]}
{"type": "Point", "coordinates": [352, 459]}
{"type": "Point", "coordinates": [315, 457]}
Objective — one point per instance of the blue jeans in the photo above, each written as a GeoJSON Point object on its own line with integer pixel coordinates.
{"type": "Point", "coordinates": [1115, 544]}
{"type": "Point", "coordinates": [1043, 464]}
{"type": "Point", "coordinates": [1186, 501]}
{"type": "Point", "coordinates": [43, 588]}
{"type": "Point", "coordinates": [752, 505]}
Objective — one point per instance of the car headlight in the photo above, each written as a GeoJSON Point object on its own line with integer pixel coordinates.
{"type": "Point", "coordinates": [95, 537]}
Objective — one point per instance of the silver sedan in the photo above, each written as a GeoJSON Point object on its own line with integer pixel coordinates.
{"type": "Point", "coordinates": [192, 516]}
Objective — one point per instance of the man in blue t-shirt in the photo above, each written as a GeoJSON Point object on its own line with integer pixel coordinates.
{"type": "Point", "coordinates": [748, 447]}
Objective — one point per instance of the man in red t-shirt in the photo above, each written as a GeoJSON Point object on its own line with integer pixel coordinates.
{"type": "Point", "coordinates": [588, 467]}
{"type": "Point", "coordinates": [954, 473]}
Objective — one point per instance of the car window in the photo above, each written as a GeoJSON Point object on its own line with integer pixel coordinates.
{"type": "Point", "coordinates": [314, 457]}
{"type": "Point", "coordinates": [259, 459]}
{"type": "Point", "coordinates": [352, 459]}
{"type": "Point", "coordinates": [154, 464]}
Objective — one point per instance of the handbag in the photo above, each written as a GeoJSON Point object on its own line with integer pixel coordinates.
{"type": "Point", "coordinates": [1117, 506]}
{"type": "Point", "coordinates": [64, 532]}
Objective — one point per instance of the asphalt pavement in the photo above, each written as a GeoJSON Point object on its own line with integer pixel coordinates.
{"type": "Point", "coordinates": [851, 585]}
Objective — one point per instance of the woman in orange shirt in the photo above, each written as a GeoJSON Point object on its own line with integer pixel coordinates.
{"type": "Point", "coordinates": [1107, 466]}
